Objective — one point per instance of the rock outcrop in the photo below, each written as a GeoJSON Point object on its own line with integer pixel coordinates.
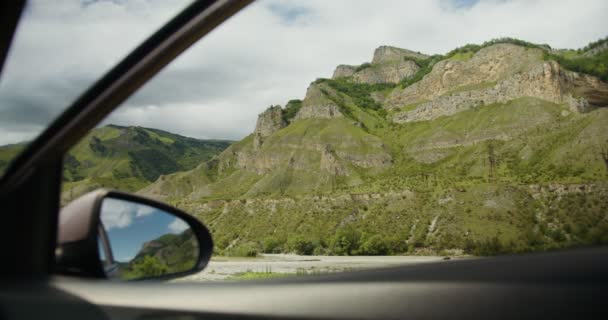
{"type": "Point", "coordinates": [495, 74]}
{"type": "Point", "coordinates": [268, 123]}
{"type": "Point", "coordinates": [389, 65]}
{"type": "Point", "coordinates": [386, 54]}
{"type": "Point", "coordinates": [317, 104]}
{"type": "Point", "coordinates": [387, 73]}
{"type": "Point", "coordinates": [344, 70]}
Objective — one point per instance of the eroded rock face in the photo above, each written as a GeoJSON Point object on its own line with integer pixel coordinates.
{"type": "Point", "coordinates": [495, 74]}
{"type": "Point", "coordinates": [389, 65]}
{"type": "Point", "coordinates": [384, 54]}
{"type": "Point", "coordinates": [486, 66]}
{"type": "Point", "coordinates": [317, 104]}
{"type": "Point", "coordinates": [387, 73]}
{"type": "Point", "coordinates": [269, 121]}
{"type": "Point", "coordinates": [344, 70]}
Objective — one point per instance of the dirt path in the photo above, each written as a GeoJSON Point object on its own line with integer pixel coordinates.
{"type": "Point", "coordinates": [222, 268]}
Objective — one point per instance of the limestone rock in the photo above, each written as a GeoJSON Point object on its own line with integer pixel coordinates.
{"type": "Point", "coordinates": [386, 73]}
{"type": "Point", "coordinates": [317, 104]}
{"type": "Point", "coordinates": [495, 74]}
{"type": "Point", "coordinates": [389, 65]}
{"type": "Point", "coordinates": [269, 121]}
{"type": "Point", "coordinates": [344, 71]}
{"type": "Point", "coordinates": [384, 54]}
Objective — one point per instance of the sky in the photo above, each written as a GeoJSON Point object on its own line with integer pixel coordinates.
{"type": "Point", "coordinates": [265, 55]}
{"type": "Point", "coordinates": [130, 225]}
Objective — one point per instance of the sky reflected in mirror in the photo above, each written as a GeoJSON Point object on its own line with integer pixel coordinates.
{"type": "Point", "coordinates": [130, 225]}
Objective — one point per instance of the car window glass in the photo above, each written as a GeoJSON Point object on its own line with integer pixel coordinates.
{"type": "Point", "coordinates": [315, 137]}
{"type": "Point", "coordinates": [59, 49]}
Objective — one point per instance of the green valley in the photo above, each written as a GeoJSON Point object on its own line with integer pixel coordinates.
{"type": "Point", "coordinates": [125, 158]}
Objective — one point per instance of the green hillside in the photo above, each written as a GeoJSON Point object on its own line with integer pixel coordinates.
{"type": "Point", "coordinates": [125, 158]}
{"type": "Point", "coordinates": [168, 254]}
{"type": "Point", "coordinates": [493, 148]}
{"type": "Point", "coordinates": [546, 189]}
{"type": "Point", "coordinates": [129, 158]}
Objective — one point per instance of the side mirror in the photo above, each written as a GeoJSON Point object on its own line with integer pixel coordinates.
{"type": "Point", "coordinates": [115, 235]}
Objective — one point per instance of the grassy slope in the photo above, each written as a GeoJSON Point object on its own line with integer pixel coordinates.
{"type": "Point", "coordinates": [297, 152]}
{"type": "Point", "coordinates": [131, 158]}
{"type": "Point", "coordinates": [441, 192]}
{"type": "Point", "coordinates": [534, 142]}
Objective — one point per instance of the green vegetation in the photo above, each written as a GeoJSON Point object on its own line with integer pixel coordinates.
{"type": "Point", "coordinates": [129, 158]}
{"type": "Point", "coordinates": [147, 267]}
{"type": "Point", "coordinates": [291, 109]}
{"type": "Point", "coordinates": [493, 179]}
{"type": "Point", "coordinates": [426, 66]}
{"type": "Point", "coordinates": [525, 175]}
{"type": "Point", "coordinates": [595, 44]}
{"type": "Point", "coordinates": [168, 254]}
{"type": "Point", "coordinates": [360, 93]}
{"type": "Point", "coordinates": [152, 163]}
{"type": "Point", "coordinates": [474, 197]}
{"type": "Point", "coordinates": [363, 66]}
{"type": "Point", "coordinates": [595, 65]}
{"type": "Point", "coordinates": [252, 275]}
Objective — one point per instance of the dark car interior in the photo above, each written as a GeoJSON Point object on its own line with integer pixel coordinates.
{"type": "Point", "coordinates": [563, 284]}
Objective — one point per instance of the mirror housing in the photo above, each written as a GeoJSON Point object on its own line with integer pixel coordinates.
{"type": "Point", "coordinates": [80, 230]}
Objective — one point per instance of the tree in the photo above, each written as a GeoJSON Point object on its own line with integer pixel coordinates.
{"type": "Point", "coordinates": [301, 246]}
{"type": "Point", "coordinates": [149, 266]}
{"type": "Point", "coordinates": [346, 241]}
{"type": "Point", "coordinates": [374, 246]}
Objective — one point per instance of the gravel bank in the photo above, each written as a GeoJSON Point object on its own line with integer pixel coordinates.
{"type": "Point", "coordinates": [222, 268]}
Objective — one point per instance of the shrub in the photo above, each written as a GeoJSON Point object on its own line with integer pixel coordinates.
{"type": "Point", "coordinates": [152, 163]}
{"type": "Point", "coordinates": [149, 266]}
{"type": "Point", "coordinates": [360, 93]}
{"type": "Point", "coordinates": [363, 66]}
{"type": "Point", "coordinates": [346, 241]}
{"type": "Point", "coordinates": [248, 249]}
{"type": "Point", "coordinates": [374, 246]}
{"type": "Point", "coordinates": [301, 245]}
{"type": "Point", "coordinates": [291, 109]}
{"type": "Point", "coordinates": [272, 245]}
{"type": "Point", "coordinates": [596, 65]}
{"type": "Point", "coordinates": [489, 247]}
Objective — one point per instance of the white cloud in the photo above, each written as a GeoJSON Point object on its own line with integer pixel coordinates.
{"type": "Point", "coordinates": [178, 226]}
{"type": "Point", "coordinates": [265, 55]}
{"type": "Point", "coordinates": [143, 210]}
{"type": "Point", "coordinates": [117, 213]}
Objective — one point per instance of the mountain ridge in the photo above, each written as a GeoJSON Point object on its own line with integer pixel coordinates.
{"type": "Point", "coordinates": [483, 150]}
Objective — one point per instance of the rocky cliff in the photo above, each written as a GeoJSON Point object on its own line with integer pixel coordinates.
{"type": "Point", "coordinates": [446, 152]}
{"type": "Point", "coordinates": [318, 104]}
{"type": "Point", "coordinates": [496, 74]}
{"type": "Point", "coordinates": [389, 65]}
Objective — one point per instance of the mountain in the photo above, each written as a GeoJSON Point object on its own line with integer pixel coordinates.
{"type": "Point", "coordinates": [169, 253]}
{"type": "Point", "coordinates": [492, 148]}
{"type": "Point", "coordinates": [129, 158]}
{"type": "Point", "coordinates": [125, 158]}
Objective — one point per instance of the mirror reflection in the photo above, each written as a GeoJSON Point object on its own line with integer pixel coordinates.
{"type": "Point", "coordinates": [139, 241]}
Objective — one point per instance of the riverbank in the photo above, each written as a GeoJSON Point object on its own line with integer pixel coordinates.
{"type": "Point", "coordinates": [271, 265]}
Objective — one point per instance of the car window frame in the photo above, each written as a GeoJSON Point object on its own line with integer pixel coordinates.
{"type": "Point", "coordinates": [36, 171]}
